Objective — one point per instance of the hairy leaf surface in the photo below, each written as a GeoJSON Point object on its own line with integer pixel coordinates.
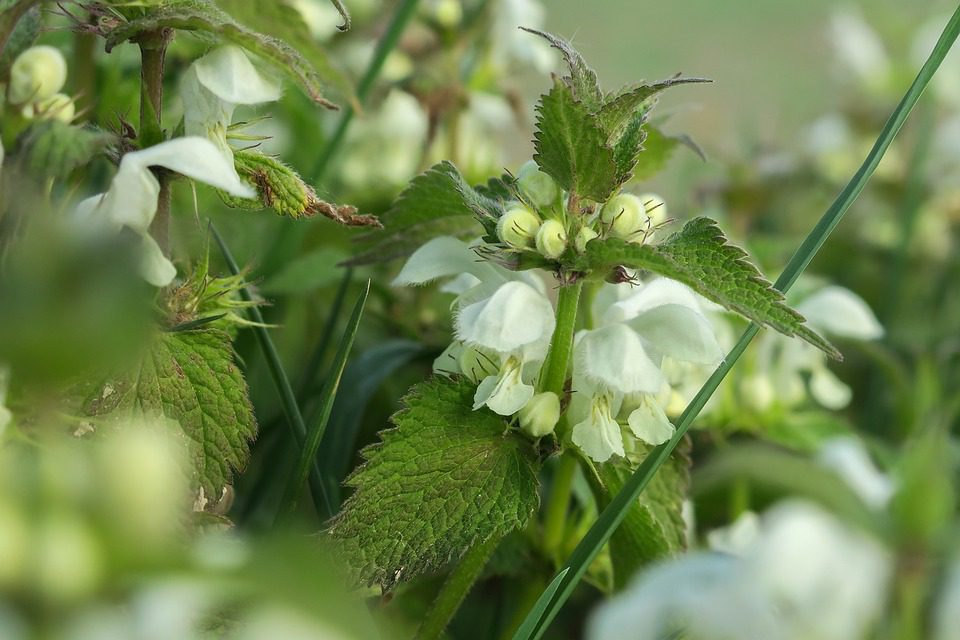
{"type": "Point", "coordinates": [189, 377]}
{"type": "Point", "coordinates": [700, 257]}
{"type": "Point", "coordinates": [445, 479]}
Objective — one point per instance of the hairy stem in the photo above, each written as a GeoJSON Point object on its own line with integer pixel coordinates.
{"type": "Point", "coordinates": [555, 520]}
{"type": "Point", "coordinates": [455, 589]}
{"type": "Point", "coordinates": [153, 53]}
{"type": "Point", "coordinates": [555, 368]}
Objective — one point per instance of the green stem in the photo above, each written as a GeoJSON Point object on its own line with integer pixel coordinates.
{"type": "Point", "coordinates": [555, 520]}
{"type": "Point", "coordinates": [153, 54]}
{"type": "Point", "coordinates": [455, 589]}
{"type": "Point", "coordinates": [555, 368]}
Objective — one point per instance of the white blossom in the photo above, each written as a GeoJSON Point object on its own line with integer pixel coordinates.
{"type": "Point", "coordinates": [847, 457]}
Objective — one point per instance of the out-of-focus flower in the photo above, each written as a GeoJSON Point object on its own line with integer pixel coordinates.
{"type": "Point", "coordinates": [860, 49]}
{"type": "Point", "coordinates": [737, 538]}
{"type": "Point", "coordinates": [481, 133]}
{"type": "Point", "coordinates": [514, 47]}
{"type": "Point", "coordinates": [37, 74]}
{"type": "Point", "coordinates": [804, 576]}
{"type": "Point", "coordinates": [849, 459]}
{"type": "Point", "coordinates": [131, 201]}
{"type": "Point", "coordinates": [834, 310]}
{"type": "Point", "coordinates": [214, 85]}
{"type": "Point", "coordinates": [381, 150]}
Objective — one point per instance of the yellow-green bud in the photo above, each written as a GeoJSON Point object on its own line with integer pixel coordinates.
{"type": "Point", "coordinates": [654, 207]}
{"type": "Point", "coordinates": [518, 227]}
{"type": "Point", "coordinates": [36, 74]}
{"type": "Point", "coordinates": [624, 214]}
{"type": "Point", "coordinates": [447, 13]}
{"type": "Point", "coordinates": [539, 188]}
{"type": "Point", "coordinates": [552, 239]}
{"type": "Point", "coordinates": [585, 235]}
{"type": "Point", "coordinates": [540, 416]}
{"type": "Point", "coordinates": [59, 106]}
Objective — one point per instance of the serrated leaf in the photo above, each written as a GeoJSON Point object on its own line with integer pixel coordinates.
{"type": "Point", "coordinates": [657, 151]}
{"type": "Point", "coordinates": [627, 152]}
{"type": "Point", "coordinates": [437, 202]}
{"type": "Point", "coordinates": [23, 35]}
{"type": "Point", "coordinates": [571, 148]}
{"type": "Point", "coordinates": [281, 19]}
{"type": "Point", "coordinates": [582, 79]}
{"type": "Point", "coordinates": [54, 149]}
{"type": "Point", "coordinates": [445, 479]}
{"type": "Point", "coordinates": [203, 16]}
{"type": "Point", "coordinates": [189, 377]}
{"type": "Point", "coordinates": [700, 257]}
{"type": "Point", "coordinates": [653, 528]}
{"type": "Point", "coordinates": [280, 188]}
{"type": "Point", "coordinates": [617, 112]}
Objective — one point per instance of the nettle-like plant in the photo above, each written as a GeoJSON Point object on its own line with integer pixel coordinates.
{"type": "Point", "coordinates": [186, 373]}
{"type": "Point", "coordinates": [571, 295]}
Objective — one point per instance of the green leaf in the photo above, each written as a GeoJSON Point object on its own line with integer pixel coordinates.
{"type": "Point", "coordinates": [437, 202]}
{"type": "Point", "coordinates": [282, 20]}
{"type": "Point", "coordinates": [628, 150]}
{"type": "Point", "coordinates": [24, 33]}
{"type": "Point", "coordinates": [552, 600]}
{"type": "Point", "coordinates": [280, 188]}
{"type": "Point", "coordinates": [700, 257]}
{"type": "Point", "coordinates": [657, 151]}
{"type": "Point", "coordinates": [571, 148]}
{"type": "Point", "coordinates": [582, 79]}
{"type": "Point", "coordinates": [446, 479]}
{"type": "Point", "coordinates": [203, 16]}
{"type": "Point", "coordinates": [54, 149]}
{"type": "Point", "coordinates": [189, 377]}
{"type": "Point", "coordinates": [653, 528]}
{"type": "Point", "coordinates": [617, 112]}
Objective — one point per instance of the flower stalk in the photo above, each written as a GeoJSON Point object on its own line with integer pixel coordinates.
{"type": "Point", "coordinates": [153, 53]}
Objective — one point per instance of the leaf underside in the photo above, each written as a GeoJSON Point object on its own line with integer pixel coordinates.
{"type": "Point", "coordinates": [700, 257]}
{"type": "Point", "coordinates": [189, 377]}
{"type": "Point", "coordinates": [445, 479]}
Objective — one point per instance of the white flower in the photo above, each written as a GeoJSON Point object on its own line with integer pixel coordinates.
{"type": "Point", "coordinates": [131, 200]}
{"type": "Point", "coordinates": [849, 459]}
{"type": "Point", "coordinates": [598, 435]}
{"type": "Point", "coordinates": [515, 47]}
{"type": "Point", "coordinates": [860, 48]}
{"type": "Point", "coordinates": [828, 581]}
{"type": "Point", "coordinates": [622, 359]}
{"type": "Point", "coordinates": [803, 576]}
{"type": "Point", "coordinates": [214, 86]}
{"type": "Point", "coordinates": [503, 317]}
{"type": "Point", "coordinates": [833, 310]}
{"type": "Point", "coordinates": [701, 596]}
{"type": "Point", "coordinates": [737, 538]}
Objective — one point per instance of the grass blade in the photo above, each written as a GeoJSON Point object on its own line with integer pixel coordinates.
{"type": "Point", "coordinates": [287, 398]}
{"type": "Point", "coordinates": [326, 338]}
{"type": "Point", "coordinates": [529, 626]}
{"type": "Point", "coordinates": [308, 454]}
{"type": "Point", "coordinates": [547, 607]}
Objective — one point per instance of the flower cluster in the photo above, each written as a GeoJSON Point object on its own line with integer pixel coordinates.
{"type": "Point", "coordinates": [37, 77]}
{"type": "Point", "coordinates": [504, 321]}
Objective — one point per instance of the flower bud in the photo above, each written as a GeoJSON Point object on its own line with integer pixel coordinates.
{"type": "Point", "coordinates": [585, 235]}
{"type": "Point", "coordinates": [655, 208]}
{"type": "Point", "coordinates": [36, 74]}
{"type": "Point", "coordinates": [518, 227]}
{"type": "Point", "coordinates": [624, 214]}
{"type": "Point", "coordinates": [447, 13]}
{"type": "Point", "coordinates": [539, 188]}
{"type": "Point", "coordinates": [540, 416]}
{"type": "Point", "coordinates": [552, 239]}
{"type": "Point", "coordinates": [59, 106]}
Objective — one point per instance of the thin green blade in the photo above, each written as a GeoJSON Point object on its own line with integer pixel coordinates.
{"type": "Point", "coordinates": [599, 534]}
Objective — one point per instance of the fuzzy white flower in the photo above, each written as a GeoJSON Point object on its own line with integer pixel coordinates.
{"type": "Point", "coordinates": [860, 48]}
{"type": "Point", "coordinates": [503, 317]}
{"type": "Point", "coordinates": [619, 363]}
{"type": "Point", "coordinates": [214, 86]}
{"type": "Point", "coordinates": [131, 200]}
{"type": "Point", "coordinates": [847, 457]}
{"type": "Point", "coordinates": [804, 575]}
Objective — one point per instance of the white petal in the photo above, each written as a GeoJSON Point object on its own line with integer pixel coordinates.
{"type": "Point", "coordinates": [449, 361]}
{"type": "Point", "coordinates": [650, 296]}
{"type": "Point", "coordinates": [131, 200]}
{"type": "Point", "coordinates": [649, 423]}
{"type": "Point", "coordinates": [848, 457]}
{"type": "Point", "coordinates": [679, 332]}
{"type": "Point", "coordinates": [599, 435]}
{"type": "Point", "coordinates": [515, 317]}
{"type": "Point", "coordinates": [195, 158]}
{"type": "Point", "coordinates": [828, 390]}
{"type": "Point", "coordinates": [615, 358]}
{"type": "Point", "coordinates": [228, 74]}
{"type": "Point", "coordinates": [154, 266]}
{"type": "Point", "coordinates": [461, 284]}
{"type": "Point", "coordinates": [506, 393]}
{"type": "Point", "coordinates": [841, 312]}
{"type": "Point", "coordinates": [204, 114]}
{"type": "Point", "coordinates": [441, 257]}
{"type": "Point", "coordinates": [737, 538]}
